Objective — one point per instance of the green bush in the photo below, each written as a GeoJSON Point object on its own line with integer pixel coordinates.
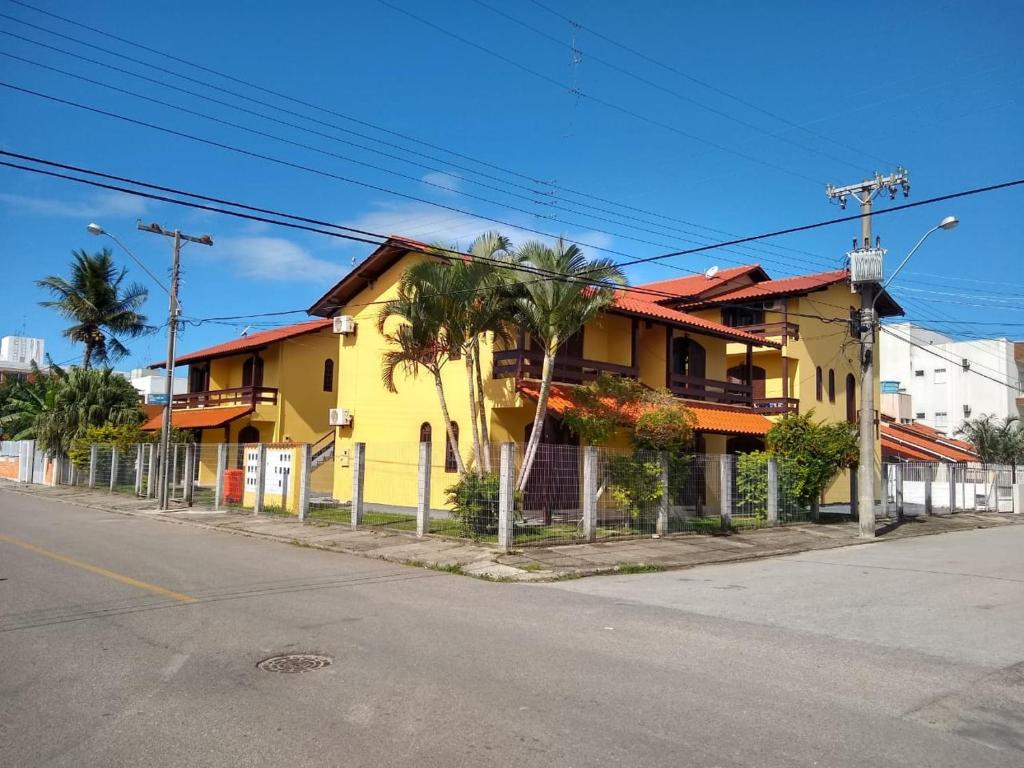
{"type": "Point", "coordinates": [124, 437]}
{"type": "Point", "coordinates": [474, 502]}
{"type": "Point", "coordinates": [664, 428]}
{"type": "Point", "coordinates": [812, 453]}
{"type": "Point", "coordinates": [635, 485]}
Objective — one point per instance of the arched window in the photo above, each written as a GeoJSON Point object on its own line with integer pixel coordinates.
{"type": "Point", "coordinates": [831, 385]}
{"type": "Point", "coordinates": [851, 398]}
{"type": "Point", "coordinates": [328, 375]}
{"type": "Point", "coordinates": [688, 357]}
{"type": "Point", "coordinates": [450, 465]}
{"type": "Point", "coordinates": [425, 432]}
{"type": "Point", "coordinates": [817, 383]}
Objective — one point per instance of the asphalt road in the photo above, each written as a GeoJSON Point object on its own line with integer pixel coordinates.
{"type": "Point", "coordinates": [134, 642]}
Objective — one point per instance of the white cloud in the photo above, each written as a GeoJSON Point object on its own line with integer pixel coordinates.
{"type": "Point", "coordinates": [96, 206]}
{"type": "Point", "coordinates": [437, 179]}
{"type": "Point", "coordinates": [274, 258]}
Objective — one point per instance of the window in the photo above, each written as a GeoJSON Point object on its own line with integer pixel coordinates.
{"type": "Point", "coordinates": [941, 420]}
{"type": "Point", "coordinates": [688, 358]}
{"type": "Point", "coordinates": [450, 465]}
{"type": "Point", "coordinates": [851, 398]}
{"type": "Point", "coordinates": [831, 385]}
{"type": "Point", "coordinates": [737, 317]}
{"type": "Point", "coordinates": [919, 373]}
{"type": "Point", "coordinates": [328, 375]}
{"type": "Point", "coordinates": [425, 432]}
{"type": "Point", "coordinates": [817, 383]}
{"type": "Point", "coordinates": [252, 372]}
{"type": "Point", "coordinates": [940, 375]}
{"type": "Point", "coordinates": [919, 415]}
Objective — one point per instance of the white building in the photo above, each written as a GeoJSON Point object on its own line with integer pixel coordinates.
{"type": "Point", "coordinates": [22, 349]}
{"type": "Point", "coordinates": [948, 380]}
{"type": "Point", "coordinates": [152, 385]}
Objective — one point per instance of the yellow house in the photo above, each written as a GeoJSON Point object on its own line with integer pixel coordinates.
{"type": "Point", "coordinates": [636, 337]}
{"type": "Point", "coordinates": [814, 364]}
{"type": "Point", "coordinates": [275, 386]}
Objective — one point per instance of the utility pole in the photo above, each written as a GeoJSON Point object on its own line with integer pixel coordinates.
{"type": "Point", "coordinates": [866, 272]}
{"type": "Point", "coordinates": [174, 312]}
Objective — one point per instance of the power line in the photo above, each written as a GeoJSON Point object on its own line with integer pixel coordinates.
{"type": "Point", "coordinates": [540, 182]}
{"type": "Point", "coordinates": [705, 84]}
{"type": "Point", "coordinates": [357, 161]}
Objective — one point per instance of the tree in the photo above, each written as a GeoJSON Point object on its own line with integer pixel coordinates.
{"type": "Point", "coordinates": [100, 307]}
{"type": "Point", "coordinates": [813, 452]}
{"type": "Point", "coordinates": [552, 310]}
{"type": "Point", "coordinates": [84, 398]}
{"type": "Point", "coordinates": [21, 403]}
{"type": "Point", "coordinates": [995, 441]}
{"type": "Point", "coordinates": [421, 339]}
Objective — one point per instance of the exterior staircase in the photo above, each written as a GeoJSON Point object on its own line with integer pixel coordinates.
{"type": "Point", "coordinates": [323, 450]}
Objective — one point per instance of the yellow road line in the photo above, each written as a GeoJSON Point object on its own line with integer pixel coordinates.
{"type": "Point", "coordinates": [96, 569]}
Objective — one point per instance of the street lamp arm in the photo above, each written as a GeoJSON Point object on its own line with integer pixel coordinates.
{"type": "Point", "coordinates": [142, 266]}
{"type": "Point", "coordinates": [903, 263]}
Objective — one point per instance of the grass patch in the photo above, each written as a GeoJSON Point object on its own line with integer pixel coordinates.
{"type": "Point", "coordinates": [447, 568]}
{"type": "Point", "coordinates": [531, 567]}
{"type": "Point", "coordinates": [637, 568]}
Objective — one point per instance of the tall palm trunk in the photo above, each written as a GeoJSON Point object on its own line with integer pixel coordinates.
{"type": "Point", "coordinates": [467, 354]}
{"type": "Point", "coordinates": [538, 419]}
{"type": "Point", "coordinates": [87, 357]}
{"type": "Point", "coordinates": [460, 465]}
{"type": "Point", "coordinates": [481, 404]}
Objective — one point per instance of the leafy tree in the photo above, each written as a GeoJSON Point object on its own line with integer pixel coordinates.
{"type": "Point", "coordinates": [99, 305]}
{"type": "Point", "coordinates": [21, 403]}
{"type": "Point", "coordinates": [84, 398]}
{"type": "Point", "coordinates": [995, 441]}
{"type": "Point", "coordinates": [551, 311]}
{"type": "Point", "coordinates": [814, 452]}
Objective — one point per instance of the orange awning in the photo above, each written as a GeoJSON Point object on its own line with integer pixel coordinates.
{"type": "Point", "coordinates": [199, 418]}
{"type": "Point", "coordinates": [722, 420]}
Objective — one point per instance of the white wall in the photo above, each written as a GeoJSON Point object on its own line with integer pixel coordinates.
{"type": "Point", "coordinates": [22, 349]}
{"type": "Point", "coordinates": [974, 387]}
{"type": "Point", "coordinates": [149, 382]}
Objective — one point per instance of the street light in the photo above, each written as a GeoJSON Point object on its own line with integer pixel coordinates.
{"type": "Point", "coordinates": [97, 230]}
{"type": "Point", "coordinates": [948, 223]}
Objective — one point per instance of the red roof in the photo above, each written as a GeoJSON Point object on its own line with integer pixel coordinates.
{"type": "Point", "coordinates": [784, 286]}
{"type": "Point", "coordinates": [251, 342]}
{"type": "Point", "coordinates": [925, 443]}
{"type": "Point", "coordinates": [628, 303]}
{"type": "Point", "coordinates": [199, 418]}
{"type": "Point", "coordinates": [709, 418]}
{"type": "Point", "coordinates": [698, 285]}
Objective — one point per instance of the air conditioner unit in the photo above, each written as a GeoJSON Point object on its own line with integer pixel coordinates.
{"type": "Point", "coordinates": [340, 417]}
{"type": "Point", "coordinates": [344, 324]}
{"type": "Point", "coordinates": [967, 410]}
{"type": "Point", "coordinates": [779, 305]}
{"type": "Point", "coordinates": [965, 364]}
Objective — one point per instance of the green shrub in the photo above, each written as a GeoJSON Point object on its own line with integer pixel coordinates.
{"type": "Point", "coordinates": [635, 485]}
{"type": "Point", "coordinates": [664, 428]}
{"type": "Point", "coordinates": [474, 502]}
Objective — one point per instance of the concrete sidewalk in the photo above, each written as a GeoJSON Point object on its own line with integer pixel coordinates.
{"type": "Point", "coordinates": [529, 563]}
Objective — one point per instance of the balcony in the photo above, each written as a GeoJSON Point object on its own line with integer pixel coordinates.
{"type": "Point", "coordinates": [776, 330]}
{"type": "Point", "coordinates": [221, 397]}
{"type": "Point", "coordinates": [528, 364]}
{"type": "Point", "coordinates": [770, 406]}
{"type": "Point", "coordinates": [710, 390]}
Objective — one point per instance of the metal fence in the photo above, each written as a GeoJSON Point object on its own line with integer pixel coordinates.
{"type": "Point", "coordinates": [916, 488]}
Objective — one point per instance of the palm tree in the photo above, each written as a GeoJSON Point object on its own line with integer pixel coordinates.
{"type": "Point", "coordinates": [995, 441]}
{"type": "Point", "coordinates": [420, 341]}
{"type": "Point", "coordinates": [83, 398]}
{"type": "Point", "coordinates": [21, 403]}
{"type": "Point", "coordinates": [98, 305]}
{"type": "Point", "coordinates": [552, 310]}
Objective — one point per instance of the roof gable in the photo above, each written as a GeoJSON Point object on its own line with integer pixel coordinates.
{"type": "Point", "coordinates": [247, 343]}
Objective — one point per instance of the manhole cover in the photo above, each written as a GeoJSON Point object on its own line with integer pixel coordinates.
{"type": "Point", "coordinates": [295, 662]}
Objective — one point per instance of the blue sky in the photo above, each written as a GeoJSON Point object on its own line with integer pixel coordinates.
{"type": "Point", "coordinates": [684, 152]}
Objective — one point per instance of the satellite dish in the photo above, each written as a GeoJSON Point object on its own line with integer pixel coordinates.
{"type": "Point", "coordinates": [710, 272]}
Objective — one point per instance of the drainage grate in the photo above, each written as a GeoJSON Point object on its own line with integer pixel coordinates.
{"type": "Point", "coordinates": [295, 662]}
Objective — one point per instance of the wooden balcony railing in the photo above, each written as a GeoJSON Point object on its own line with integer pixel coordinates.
{"type": "Point", "coordinates": [782, 330]}
{"type": "Point", "coordinates": [230, 396]}
{"type": "Point", "coordinates": [773, 405]}
{"type": "Point", "coordinates": [710, 390]}
{"type": "Point", "coordinates": [528, 364]}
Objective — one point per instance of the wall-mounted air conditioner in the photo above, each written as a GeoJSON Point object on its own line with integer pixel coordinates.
{"type": "Point", "coordinates": [967, 410]}
{"type": "Point", "coordinates": [778, 305]}
{"type": "Point", "coordinates": [340, 417]}
{"type": "Point", "coordinates": [344, 324]}
{"type": "Point", "coordinates": [965, 364]}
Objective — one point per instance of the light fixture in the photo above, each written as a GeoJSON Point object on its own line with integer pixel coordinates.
{"type": "Point", "coordinates": [949, 222]}
{"type": "Point", "coordinates": [95, 229]}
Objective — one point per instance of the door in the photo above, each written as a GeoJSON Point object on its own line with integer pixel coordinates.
{"type": "Point", "coordinates": [252, 372]}
{"type": "Point", "coordinates": [738, 373]}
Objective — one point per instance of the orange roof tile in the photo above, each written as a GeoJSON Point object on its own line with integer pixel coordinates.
{"type": "Point", "coordinates": [250, 342]}
{"type": "Point", "coordinates": [784, 286]}
{"type": "Point", "coordinates": [892, 448]}
{"type": "Point", "coordinates": [697, 285]}
{"type": "Point", "coordinates": [199, 418]}
{"type": "Point", "coordinates": [629, 303]}
{"type": "Point", "coordinates": [935, 447]}
{"type": "Point", "coordinates": [723, 420]}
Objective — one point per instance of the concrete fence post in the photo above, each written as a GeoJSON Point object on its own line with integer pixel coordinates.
{"type": "Point", "coordinates": [261, 479]}
{"type": "Point", "coordinates": [928, 491]}
{"type": "Point", "coordinates": [190, 473]}
{"type": "Point", "coordinates": [55, 468]}
{"type": "Point", "coordinates": [951, 471]}
{"type": "Point", "coordinates": [588, 507]}
{"type": "Point", "coordinates": [113, 467]}
{"type": "Point", "coordinates": [303, 478]}
{"type": "Point", "coordinates": [506, 494]}
{"type": "Point", "coordinates": [358, 482]}
{"type": "Point", "coordinates": [139, 454]}
{"type": "Point", "coordinates": [222, 467]}
{"type": "Point", "coordinates": [725, 466]}
{"type": "Point", "coordinates": [93, 457]}
{"type": "Point", "coordinates": [661, 525]}
{"type": "Point", "coordinates": [152, 472]}
{"type": "Point", "coordinates": [1018, 497]}
{"type": "Point", "coordinates": [423, 492]}
{"type": "Point", "coordinates": [899, 492]}
{"type": "Point", "coordinates": [883, 490]}
{"type": "Point", "coordinates": [773, 492]}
